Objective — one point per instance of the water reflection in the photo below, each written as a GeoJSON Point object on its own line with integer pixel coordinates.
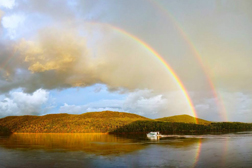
{"type": "Point", "coordinates": [101, 150]}
{"type": "Point", "coordinates": [99, 144]}
{"type": "Point", "coordinates": [153, 138]}
{"type": "Point", "coordinates": [226, 150]}
{"type": "Point", "coordinates": [197, 152]}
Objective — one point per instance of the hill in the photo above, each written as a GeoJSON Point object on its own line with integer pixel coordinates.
{"type": "Point", "coordinates": [68, 123]}
{"type": "Point", "coordinates": [112, 122]}
{"type": "Point", "coordinates": [184, 119]}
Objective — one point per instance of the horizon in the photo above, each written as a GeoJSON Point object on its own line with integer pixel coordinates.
{"type": "Point", "coordinates": [151, 58]}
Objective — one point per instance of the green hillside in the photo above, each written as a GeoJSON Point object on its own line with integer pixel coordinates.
{"type": "Point", "coordinates": [184, 119]}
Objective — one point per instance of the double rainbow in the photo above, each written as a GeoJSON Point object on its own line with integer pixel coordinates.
{"type": "Point", "coordinates": [164, 63]}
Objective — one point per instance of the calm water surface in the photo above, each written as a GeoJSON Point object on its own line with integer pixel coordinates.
{"type": "Point", "coordinates": [101, 150]}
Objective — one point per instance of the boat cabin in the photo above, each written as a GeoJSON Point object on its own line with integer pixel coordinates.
{"type": "Point", "coordinates": [153, 134]}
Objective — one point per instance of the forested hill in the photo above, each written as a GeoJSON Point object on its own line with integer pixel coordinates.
{"type": "Point", "coordinates": [112, 122]}
{"type": "Point", "coordinates": [66, 123]}
{"type": "Point", "coordinates": [184, 119]}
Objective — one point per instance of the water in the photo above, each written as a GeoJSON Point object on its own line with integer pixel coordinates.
{"type": "Point", "coordinates": [101, 150]}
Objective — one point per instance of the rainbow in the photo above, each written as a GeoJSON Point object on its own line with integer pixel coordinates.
{"type": "Point", "coordinates": [225, 151]}
{"type": "Point", "coordinates": [196, 54]}
{"type": "Point", "coordinates": [7, 60]}
{"type": "Point", "coordinates": [160, 58]}
{"type": "Point", "coordinates": [198, 151]}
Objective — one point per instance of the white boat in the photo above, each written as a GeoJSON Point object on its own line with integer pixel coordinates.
{"type": "Point", "coordinates": [153, 135]}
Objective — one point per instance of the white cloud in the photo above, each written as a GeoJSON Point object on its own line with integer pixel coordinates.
{"type": "Point", "coordinates": [202, 107]}
{"type": "Point", "coordinates": [20, 103]}
{"type": "Point", "coordinates": [230, 106]}
{"type": "Point", "coordinates": [7, 3]}
{"type": "Point", "coordinates": [144, 102]}
{"type": "Point", "coordinates": [12, 24]}
{"type": "Point", "coordinates": [72, 109]}
{"type": "Point", "coordinates": [103, 105]}
{"type": "Point", "coordinates": [238, 106]}
{"type": "Point", "coordinates": [90, 109]}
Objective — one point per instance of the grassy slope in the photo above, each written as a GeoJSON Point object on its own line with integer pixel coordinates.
{"type": "Point", "coordinates": [184, 119]}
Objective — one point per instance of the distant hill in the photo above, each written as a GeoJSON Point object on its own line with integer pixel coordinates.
{"type": "Point", "coordinates": [184, 119]}
{"type": "Point", "coordinates": [68, 123]}
{"type": "Point", "coordinates": [112, 122]}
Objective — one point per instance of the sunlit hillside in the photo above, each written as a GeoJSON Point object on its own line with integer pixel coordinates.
{"type": "Point", "coordinates": [68, 123]}
{"type": "Point", "coordinates": [184, 119]}
{"type": "Point", "coordinates": [112, 122]}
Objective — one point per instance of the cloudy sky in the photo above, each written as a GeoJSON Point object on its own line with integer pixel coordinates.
{"type": "Point", "coordinates": [73, 56]}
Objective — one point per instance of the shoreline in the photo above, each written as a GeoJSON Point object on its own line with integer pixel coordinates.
{"type": "Point", "coordinates": [141, 133]}
{"type": "Point", "coordinates": [58, 133]}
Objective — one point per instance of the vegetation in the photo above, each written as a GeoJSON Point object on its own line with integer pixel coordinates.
{"type": "Point", "coordinates": [178, 127]}
{"type": "Point", "coordinates": [94, 122]}
{"type": "Point", "coordinates": [112, 122]}
{"type": "Point", "coordinates": [4, 131]}
{"type": "Point", "coordinates": [184, 119]}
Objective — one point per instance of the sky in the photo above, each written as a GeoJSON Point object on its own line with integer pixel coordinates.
{"type": "Point", "coordinates": [155, 58]}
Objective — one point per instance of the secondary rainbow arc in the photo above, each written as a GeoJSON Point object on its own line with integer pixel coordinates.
{"type": "Point", "coordinates": [196, 54]}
